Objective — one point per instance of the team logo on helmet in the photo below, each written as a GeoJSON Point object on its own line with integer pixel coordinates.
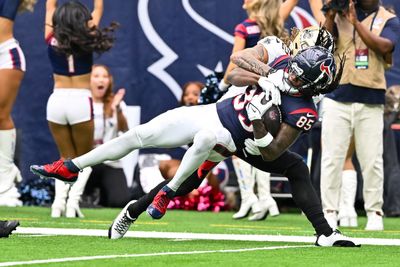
{"type": "Point", "coordinates": [325, 67]}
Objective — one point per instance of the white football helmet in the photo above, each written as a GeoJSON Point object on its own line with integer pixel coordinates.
{"type": "Point", "coordinates": [312, 36]}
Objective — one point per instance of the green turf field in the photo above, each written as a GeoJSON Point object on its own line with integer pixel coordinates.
{"type": "Point", "coordinates": [77, 250]}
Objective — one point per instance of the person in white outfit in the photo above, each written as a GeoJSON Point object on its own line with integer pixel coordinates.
{"type": "Point", "coordinates": [367, 34]}
{"type": "Point", "coordinates": [109, 122]}
{"type": "Point", "coordinates": [260, 204]}
{"type": "Point", "coordinates": [73, 36]}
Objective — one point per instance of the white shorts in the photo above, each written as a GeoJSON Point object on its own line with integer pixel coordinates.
{"type": "Point", "coordinates": [70, 106]}
{"type": "Point", "coordinates": [11, 56]}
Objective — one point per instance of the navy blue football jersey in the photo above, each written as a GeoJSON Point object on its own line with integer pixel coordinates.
{"type": "Point", "coordinates": [298, 112]}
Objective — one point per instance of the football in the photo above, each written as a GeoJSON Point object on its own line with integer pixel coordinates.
{"type": "Point", "coordinates": [272, 120]}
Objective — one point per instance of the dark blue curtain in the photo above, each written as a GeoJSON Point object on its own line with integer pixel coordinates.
{"type": "Point", "coordinates": [160, 45]}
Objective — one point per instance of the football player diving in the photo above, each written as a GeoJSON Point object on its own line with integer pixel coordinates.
{"type": "Point", "coordinates": [222, 129]}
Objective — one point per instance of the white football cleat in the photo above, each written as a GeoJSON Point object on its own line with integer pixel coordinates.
{"type": "Point", "coordinates": [336, 239]}
{"type": "Point", "coordinates": [121, 224]}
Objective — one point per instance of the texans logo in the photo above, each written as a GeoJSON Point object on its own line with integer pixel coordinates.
{"type": "Point", "coordinates": [325, 68]}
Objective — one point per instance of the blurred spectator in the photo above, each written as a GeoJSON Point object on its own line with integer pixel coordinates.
{"type": "Point", "coordinates": [366, 34]}
{"type": "Point", "coordinates": [390, 154]}
{"type": "Point", "coordinates": [109, 120]}
{"type": "Point", "coordinates": [72, 36]}
{"type": "Point", "coordinates": [12, 69]}
{"type": "Point", "coordinates": [262, 21]}
{"type": "Point", "coordinates": [393, 95]}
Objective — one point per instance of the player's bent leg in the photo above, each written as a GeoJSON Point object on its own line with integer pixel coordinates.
{"type": "Point", "coordinates": [306, 198]}
{"type": "Point", "coordinates": [134, 208]}
{"type": "Point", "coordinates": [159, 132]}
{"type": "Point", "coordinates": [67, 170]}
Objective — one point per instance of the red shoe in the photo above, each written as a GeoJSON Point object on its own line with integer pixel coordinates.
{"type": "Point", "coordinates": [205, 168]}
{"type": "Point", "coordinates": [56, 170]}
{"type": "Point", "coordinates": [158, 207]}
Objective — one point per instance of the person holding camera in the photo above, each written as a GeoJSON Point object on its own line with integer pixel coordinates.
{"type": "Point", "coordinates": [366, 35]}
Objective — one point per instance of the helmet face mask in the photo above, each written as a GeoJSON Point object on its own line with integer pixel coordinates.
{"type": "Point", "coordinates": [315, 67]}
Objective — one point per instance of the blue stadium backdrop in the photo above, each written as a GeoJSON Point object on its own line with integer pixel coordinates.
{"type": "Point", "coordinates": [160, 45]}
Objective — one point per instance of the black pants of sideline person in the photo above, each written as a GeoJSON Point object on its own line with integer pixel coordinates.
{"type": "Point", "coordinates": [107, 187]}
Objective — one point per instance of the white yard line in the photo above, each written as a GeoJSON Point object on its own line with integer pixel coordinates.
{"type": "Point", "coordinates": [202, 236]}
{"type": "Point", "coordinates": [88, 258]}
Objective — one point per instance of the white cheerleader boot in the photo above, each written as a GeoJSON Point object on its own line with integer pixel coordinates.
{"type": "Point", "coordinates": [75, 194]}
{"type": "Point", "coordinates": [246, 182]}
{"type": "Point", "coordinates": [9, 172]}
{"type": "Point", "coordinates": [60, 198]}
{"type": "Point", "coordinates": [266, 202]}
